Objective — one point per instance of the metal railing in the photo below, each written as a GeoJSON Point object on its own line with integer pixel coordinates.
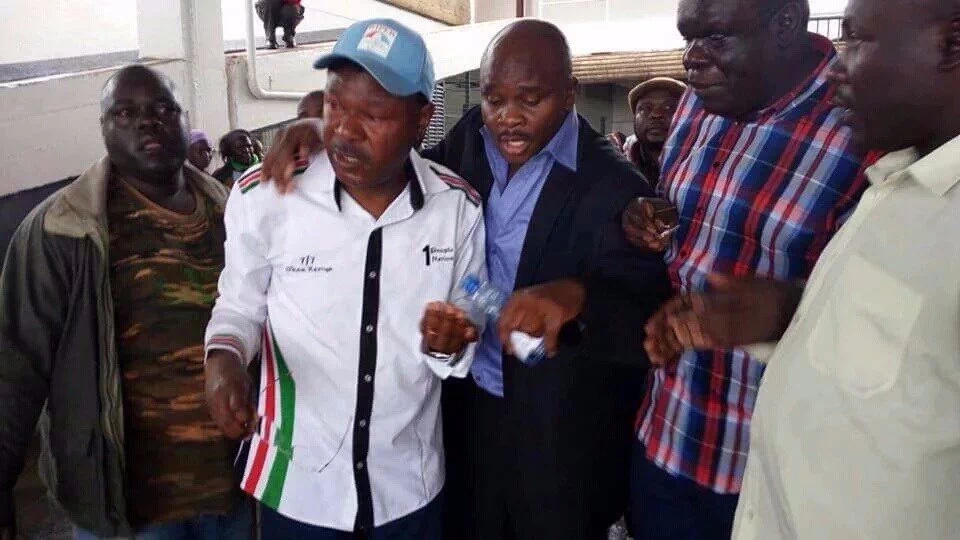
{"type": "Point", "coordinates": [829, 25]}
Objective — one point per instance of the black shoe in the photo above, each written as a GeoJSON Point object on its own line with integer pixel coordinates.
{"type": "Point", "coordinates": [291, 43]}
{"type": "Point", "coordinates": [272, 45]}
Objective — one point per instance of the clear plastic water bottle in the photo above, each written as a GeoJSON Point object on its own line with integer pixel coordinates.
{"type": "Point", "coordinates": [487, 301]}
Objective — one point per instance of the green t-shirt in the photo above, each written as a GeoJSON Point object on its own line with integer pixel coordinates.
{"type": "Point", "coordinates": [164, 268]}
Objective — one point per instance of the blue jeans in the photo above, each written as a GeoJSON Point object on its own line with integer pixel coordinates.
{"type": "Point", "coordinates": [667, 507]}
{"type": "Point", "coordinates": [235, 525]}
{"type": "Point", "coordinates": [424, 524]}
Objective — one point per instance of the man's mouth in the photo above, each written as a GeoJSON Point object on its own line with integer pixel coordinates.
{"type": "Point", "coordinates": [346, 158]}
{"type": "Point", "coordinates": [704, 89]}
{"type": "Point", "coordinates": [514, 145]}
{"type": "Point", "coordinates": [658, 129]}
{"type": "Point", "coordinates": [151, 145]}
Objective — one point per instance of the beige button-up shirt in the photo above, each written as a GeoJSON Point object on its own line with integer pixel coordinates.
{"type": "Point", "coordinates": [856, 431]}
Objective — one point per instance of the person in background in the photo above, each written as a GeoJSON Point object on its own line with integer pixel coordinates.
{"type": "Point", "coordinates": [105, 292]}
{"type": "Point", "coordinates": [758, 172]}
{"type": "Point", "coordinates": [856, 430]}
{"type": "Point", "coordinates": [286, 14]}
{"type": "Point", "coordinates": [258, 149]}
{"type": "Point", "coordinates": [311, 105]}
{"type": "Point", "coordinates": [199, 153]}
{"type": "Point", "coordinates": [540, 452]}
{"type": "Point", "coordinates": [239, 153]}
{"type": "Point", "coordinates": [347, 440]}
{"type": "Point", "coordinates": [653, 103]}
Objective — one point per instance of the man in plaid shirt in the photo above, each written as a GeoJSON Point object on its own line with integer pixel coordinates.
{"type": "Point", "coordinates": [762, 172]}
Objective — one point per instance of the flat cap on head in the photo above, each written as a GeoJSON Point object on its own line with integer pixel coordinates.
{"type": "Point", "coordinates": [673, 86]}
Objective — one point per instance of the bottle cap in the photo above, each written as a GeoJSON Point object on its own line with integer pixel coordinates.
{"type": "Point", "coordinates": [470, 284]}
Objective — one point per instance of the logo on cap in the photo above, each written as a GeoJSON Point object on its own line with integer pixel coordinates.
{"type": "Point", "coordinates": [378, 39]}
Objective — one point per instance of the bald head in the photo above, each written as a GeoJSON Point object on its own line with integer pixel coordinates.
{"type": "Point", "coordinates": [534, 43]}
{"type": "Point", "coordinates": [143, 126]}
{"type": "Point", "coordinates": [135, 75]}
{"type": "Point", "coordinates": [528, 88]}
{"type": "Point", "coordinates": [311, 105]}
{"type": "Point", "coordinates": [769, 8]}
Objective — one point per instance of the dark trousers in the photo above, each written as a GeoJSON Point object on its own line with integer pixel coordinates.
{"type": "Point", "coordinates": [488, 495]}
{"type": "Point", "coordinates": [424, 524]}
{"type": "Point", "coordinates": [666, 507]}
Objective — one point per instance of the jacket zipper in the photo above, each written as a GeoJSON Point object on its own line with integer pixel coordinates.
{"type": "Point", "coordinates": [109, 382]}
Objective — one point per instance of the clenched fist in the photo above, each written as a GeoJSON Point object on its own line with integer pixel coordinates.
{"type": "Point", "coordinates": [446, 328]}
{"type": "Point", "coordinates": [228, 394]}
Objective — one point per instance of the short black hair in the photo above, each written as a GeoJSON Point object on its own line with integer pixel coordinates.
{"type": "Point", "coordinates": [224, 144]}
{"type": "Point", "coordinates": [344, 63]}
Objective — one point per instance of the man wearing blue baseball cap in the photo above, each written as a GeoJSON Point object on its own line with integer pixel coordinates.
{"type": "Point", "coordinates": [541, 452]}
{"type": "Point", "coordinates": [327, 283]}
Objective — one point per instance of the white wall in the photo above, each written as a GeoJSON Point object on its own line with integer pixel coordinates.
{"type": "Point", "coordinates": [32, 31]}
{"type": "Point", "coordinates": [50, 128]}
{"type": "Point", "coordinates": [326, 15]}
{"type": "Point", "coordinates": [288, 72]}
{"type": "Point", "coordinates": [68, 28]}
{"type": "Point", "coordinates": [491, 10]}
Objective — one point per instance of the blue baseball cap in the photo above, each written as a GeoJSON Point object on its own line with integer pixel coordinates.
{"type": "Point", "coordinates": [393, 54]}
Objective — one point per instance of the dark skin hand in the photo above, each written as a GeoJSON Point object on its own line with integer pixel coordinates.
{"type": "Point", "coordinates": [541, 311]}
{"type": "Point", "coordinates": [298, 140]}
{"type": "Point", "coordinates": [644, 227]}
{"type": "Point", "coordinates": [446, 328]}
{"type": "Point", "coordinates": [735, 312]}
{"type": "Point", "coordinates": [662, 346]}
{"type": "Point", "coordinates": [228, 394]}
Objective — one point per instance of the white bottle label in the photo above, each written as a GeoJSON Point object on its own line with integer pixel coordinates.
{"type": "Point", "coordinates": [524, 344]}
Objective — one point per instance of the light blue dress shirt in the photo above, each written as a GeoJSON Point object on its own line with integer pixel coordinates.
{"type": "Point", "coordinates": [507, 214]}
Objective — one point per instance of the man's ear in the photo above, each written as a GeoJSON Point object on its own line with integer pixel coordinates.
{"type": "Point", "coordinates": [788, 23]}
{"type": "Point", "coordinates": [571, 98]}
{"type": "Point", "coordinates": [950, 44]}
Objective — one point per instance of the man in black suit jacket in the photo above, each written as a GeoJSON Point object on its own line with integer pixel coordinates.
{"type": "Point", "coordinates": [548, 459]}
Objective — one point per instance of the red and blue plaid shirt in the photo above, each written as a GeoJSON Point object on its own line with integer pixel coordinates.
{"type": "Point", "coordinates": [760, 196]}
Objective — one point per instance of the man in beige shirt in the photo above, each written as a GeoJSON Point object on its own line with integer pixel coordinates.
{"type": "Point", "coordinates": [856, 430]}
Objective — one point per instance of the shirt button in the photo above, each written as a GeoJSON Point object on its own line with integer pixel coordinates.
{"type": "Point", "coordinates": [372, 275]}
{"type": "Point", "coordinates": [368, 377]}
{"type": "Point", "coordinates": [369, 328]}
{"type": "Point", "coordinates": [359, 465]}
{"type": "Point", "coordinates": [749, 513]}
{"type": "Point", "coordinates": [363, 423]}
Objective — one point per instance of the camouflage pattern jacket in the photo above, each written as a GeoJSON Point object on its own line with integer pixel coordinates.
{"type": "Point", "coordinates": [58, 354]}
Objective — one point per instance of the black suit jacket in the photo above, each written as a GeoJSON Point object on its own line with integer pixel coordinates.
{"type": "Point", "coordinates": [571, 417]}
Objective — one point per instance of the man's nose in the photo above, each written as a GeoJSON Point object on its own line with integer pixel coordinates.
{"type": "Point", "coordinates": [510, 116]}
{"type": "Point", "coordinates": [695, 55]}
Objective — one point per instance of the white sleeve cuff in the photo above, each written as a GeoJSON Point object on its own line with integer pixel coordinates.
{"type": "Point", "coordinates": [456, 365]}
{"type": "Point", "coordinates": [761, 352]}
{"type": "Point", "coordinates": [227, 343]}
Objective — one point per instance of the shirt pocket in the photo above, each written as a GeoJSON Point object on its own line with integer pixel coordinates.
{"type": "Point", "coordinates": [861, 336]}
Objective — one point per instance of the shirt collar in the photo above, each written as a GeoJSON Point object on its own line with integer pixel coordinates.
{"type": "Point", "coordinates": [939, 170]}
{"type": "Point", "coordinates": [889, 165]}
{"type": "Point", "coordinates": [329, 184]}
{"type": "Point", "coordinates": [816, 79]}
{"type": "Point", "coordinates": [562, 147]}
